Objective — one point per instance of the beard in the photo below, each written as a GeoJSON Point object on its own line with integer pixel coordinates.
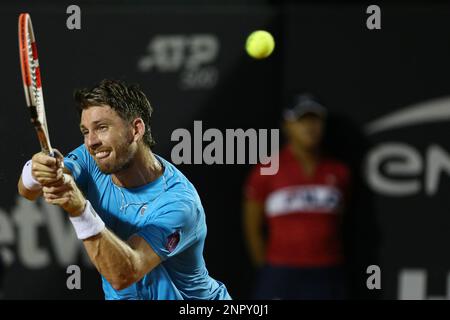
{"type": "Point", "coordinates": [117, 161]}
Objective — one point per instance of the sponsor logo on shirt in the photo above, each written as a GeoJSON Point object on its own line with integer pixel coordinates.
{"type": "Point", "coordinates": [72, 156]}
{"type": "Point", "coordinates": [142, 210]}
{"type": "Point", "coordinates": [312, 198]}
{"type": "Point", "coordinates": [172, 241]}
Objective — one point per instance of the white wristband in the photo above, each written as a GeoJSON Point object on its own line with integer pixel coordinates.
{"type": "Point", "coordinates": [88, 224]}
{"type": "Point", "coordinates": [28, 180]}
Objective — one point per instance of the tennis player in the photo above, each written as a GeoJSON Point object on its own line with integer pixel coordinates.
{"type": "Point", "coordinates": [140, 219]}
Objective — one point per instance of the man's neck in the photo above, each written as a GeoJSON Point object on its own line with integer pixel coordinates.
{"type": "Point", "coordinates": [144, 169]}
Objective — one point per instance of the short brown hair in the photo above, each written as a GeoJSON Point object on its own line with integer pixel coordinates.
{"type": "Point", "coordinates": [127, 100]}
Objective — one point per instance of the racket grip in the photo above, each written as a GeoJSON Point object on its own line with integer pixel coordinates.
{"type": "Point", "coordinates": [43, 140]}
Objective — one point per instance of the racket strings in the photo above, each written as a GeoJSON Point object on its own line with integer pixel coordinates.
{"type": "Point", "coordinates": [33, 67]}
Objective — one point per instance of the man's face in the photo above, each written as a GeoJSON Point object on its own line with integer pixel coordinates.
{"type": "Point", "coordinates": [108, 138]}
{"type": "Point", "coordinates": [305, 132]}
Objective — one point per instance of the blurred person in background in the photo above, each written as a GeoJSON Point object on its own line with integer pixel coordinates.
{"type": "Point", "coordinates": [300, 208]}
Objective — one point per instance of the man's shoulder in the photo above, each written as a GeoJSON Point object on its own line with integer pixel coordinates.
{"type": "Point", "coordinates": [180, 192]}
{"type": "Point", "coordinates": [176, 181]}
{"type": "Point", "coordinates": [180, 198]}
{"type": "Point", "coordinates": [179, 208]}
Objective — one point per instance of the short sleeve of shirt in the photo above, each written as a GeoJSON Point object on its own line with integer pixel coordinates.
{"type": "Point", "coordinates": [172, 230]}
{"type": "Point", "coordinates": [256, 186]}
{"type": "Point", "coordinates": [80, 163]}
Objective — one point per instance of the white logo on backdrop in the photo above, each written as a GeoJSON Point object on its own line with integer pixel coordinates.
{"type": "Point", "coordinates": [407, 170]}
{"type": "Point", "coordinates": [192, 57]}
{"type": "Point", "coordinates": [21, 236]}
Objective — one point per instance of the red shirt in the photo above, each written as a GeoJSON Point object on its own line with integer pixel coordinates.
{"type": "Point", "coordinates": [302, 212]}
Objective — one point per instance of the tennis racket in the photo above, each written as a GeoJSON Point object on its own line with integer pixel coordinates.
{"type": "Point", "coordinates": [32, 85]}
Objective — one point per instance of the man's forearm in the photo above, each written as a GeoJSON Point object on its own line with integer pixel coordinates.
{"type": "Point", "coordinates": [114, 259]}
{"type": "Point", "coordinates": [121, 263]}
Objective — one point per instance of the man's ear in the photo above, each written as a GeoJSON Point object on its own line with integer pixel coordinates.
{"type": "Point", "coordinates": [138, 129]}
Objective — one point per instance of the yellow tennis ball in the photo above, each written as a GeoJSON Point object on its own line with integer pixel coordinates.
{"type": "Point", "coordinates": [260, 44]}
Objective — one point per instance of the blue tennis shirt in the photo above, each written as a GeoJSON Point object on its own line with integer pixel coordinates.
{"type": "Point", "coordinates": [168, 214]}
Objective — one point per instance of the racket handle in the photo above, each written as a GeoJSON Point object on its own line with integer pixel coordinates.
{"type": "Point", "coordinates": [43, 140]}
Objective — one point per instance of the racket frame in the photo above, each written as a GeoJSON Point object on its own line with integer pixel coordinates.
{"type": "Point", "coordinates": [32, 83]}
